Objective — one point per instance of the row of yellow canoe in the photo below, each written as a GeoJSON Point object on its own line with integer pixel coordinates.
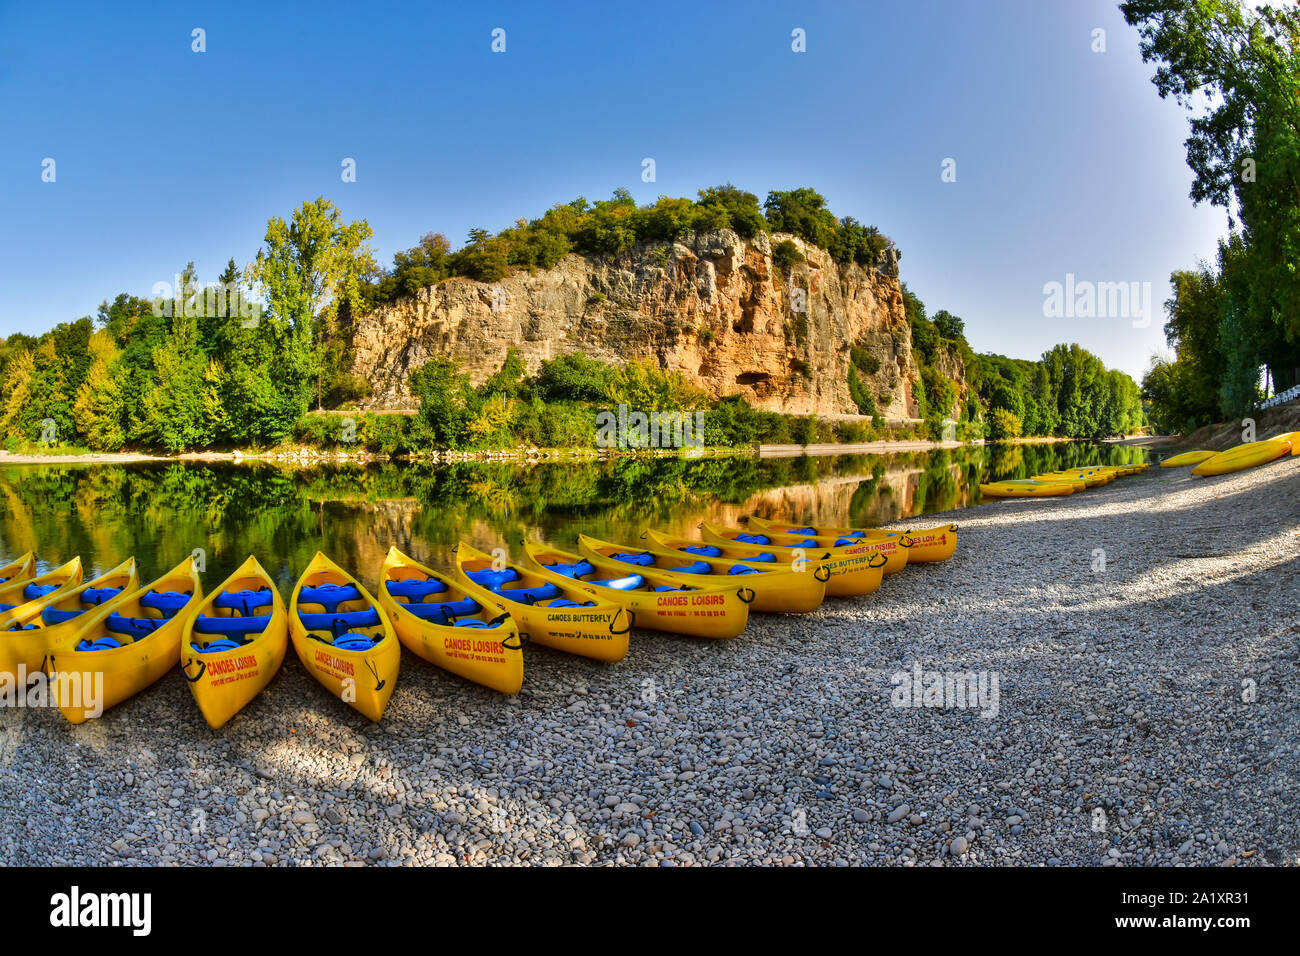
{"type": "Point", "coordinates": [231, 643]}
{"type": "Point", "coordinates": [1055, 484]}
{"type": "Point", "coordinates": [1238, 458]}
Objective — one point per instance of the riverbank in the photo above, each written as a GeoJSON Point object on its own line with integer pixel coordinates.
{"type": "Point", "coordinates": [1144, 717]}
{"type": "Point", "coordinates": [301, 455]}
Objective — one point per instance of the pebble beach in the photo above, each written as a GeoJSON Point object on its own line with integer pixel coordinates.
{"type": "Point", "coordinates": [1139, 640]}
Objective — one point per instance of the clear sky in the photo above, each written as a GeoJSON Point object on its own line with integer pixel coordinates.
{"type": "Point", "coordinates": [1066, 160]}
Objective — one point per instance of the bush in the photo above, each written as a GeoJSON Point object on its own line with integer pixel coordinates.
{"type": "Point", "coordinates": [574, 377]}
{"type": "Point", "coordinates": [1003, 425]}
{"type": "Point", "coordinates": [864, 360]}
{"type": "Point", "coordinates": [785, 254]}
{"type": "Point", "coordinates": [803, 430]}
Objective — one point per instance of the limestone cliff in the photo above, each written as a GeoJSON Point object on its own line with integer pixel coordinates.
{"type": "Point", "coordinates": [713, 306]}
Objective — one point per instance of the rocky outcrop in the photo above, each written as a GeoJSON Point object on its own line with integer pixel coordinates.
{"type": "Point", "coordinates": [713, 306]}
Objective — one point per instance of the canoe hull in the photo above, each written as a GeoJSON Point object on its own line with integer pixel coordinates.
{"type": "Point", "coordinates": [852, 573]}
{"type": "Point", "coordinates": [224, 682]}
{"type": "Point", "coordinates": [599, 632]}
{"type": "Point", "coordinates": [775, 592]}
{"type": "Point", "coordinates": [23, 652]}
{"type": "Point", "coordinates": [718, 612]}
{"type": "Point", "coordinates": [492, 657]}
{"type": "Point", "coordinates": [364, 680]}
{"type": "Point", "coordinates": [927, 545]}
{"type": "Point", "coordinates": [127, 670]}
{"type": "Point", "coordinates": [1249, 455]}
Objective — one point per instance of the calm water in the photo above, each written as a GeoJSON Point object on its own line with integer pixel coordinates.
{"type": "Point", "coordinates": [160, 513]}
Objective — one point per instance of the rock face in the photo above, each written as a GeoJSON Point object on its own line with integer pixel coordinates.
{"type": "Point", "coordinates": [712, 306]}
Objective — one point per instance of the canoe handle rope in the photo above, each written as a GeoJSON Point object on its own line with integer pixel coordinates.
{"type": "Point", "coordinates": [952, 528]}
{"type": "Point", "coordinates": [883, 560]}
{"type": "Point", "coordinates": [203, 666]}
{"type": "Point", "coordinates": [740, 593]}
{"type": "Point", "coordinates": [379, 683]}
{"type": "Point", "coordinates": [631, 620]}
{"type": "Point", "coordinates": [822, 574]}
{"type": "Point", "coordinates": [523, 642]}
{"type": "Point", "coordinates": [643, 535]}
{"type": "Point", "coordinates": [905, 542]}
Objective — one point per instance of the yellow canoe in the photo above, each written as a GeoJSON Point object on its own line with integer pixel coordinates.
{"type": "Point", "coordinates": [1292, 437]}
{"type": "Point", "coordinates": [22, 568]}
{"type": "Point", "coordinates": [60, 615]}
{"type": "Point", "coordinates": [844, 577]}
{"type": "Point", "coordinates": [343, 637]}
{"type": "Point", "coordinates": [1187, 458]}
{"type": "Point", "coordinates": [1078, 482]}
{"type": "Point", "coordinates": [778, 590]}
{"type": "Point", "coordinates": [437, 620]}
{"type": "Point", "coordinates": [234, 643]}
{"type": "Point", "coordinates": [1026, 489]}
{"type": "Point", "coordinates": [658, 601]}
{"type": "Point", "coordinates": [1244, 456]}
{"type": "Point", "coordinates": [924, 545]}
{"type": "Point", "coordinates": [22, 652]}
{"type": "Point", "coordinates": [851, 575]}
{"type": "Point", "coordinates": [120, 650]}
{"type": "Point", "coordinates": [893, 550]}
{"type": "Point", "coordinates": [557, 614]}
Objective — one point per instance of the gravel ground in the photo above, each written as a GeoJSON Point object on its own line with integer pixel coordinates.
{"type": "Point", "coordinates": [1147, 714]}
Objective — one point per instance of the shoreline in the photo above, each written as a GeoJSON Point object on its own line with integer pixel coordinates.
{"type": "Point", "coordinates": [304, 456]}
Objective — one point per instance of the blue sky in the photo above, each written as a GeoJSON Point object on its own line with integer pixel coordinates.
{"type": "Point", "coordinates": [1067, 161]}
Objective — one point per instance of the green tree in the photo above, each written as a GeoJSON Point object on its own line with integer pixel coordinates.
{"type": "Point", "coordinates": [308, 265]}
{"type": "Point", "coordinates": [175, 405]}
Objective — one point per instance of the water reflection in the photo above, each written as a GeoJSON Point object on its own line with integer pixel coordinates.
{"type": "Point", "coordinates": [160, 513]}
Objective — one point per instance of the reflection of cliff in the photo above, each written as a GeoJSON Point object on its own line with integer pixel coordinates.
{"type": "Point", "coordinates": [859, 500]}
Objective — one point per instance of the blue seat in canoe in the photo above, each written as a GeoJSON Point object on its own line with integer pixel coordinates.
{"type": "Point", "coordinates": [642, 558]}
{"type": "Point", "coordinates": [7, 607]}
{"type": "Point", "coordinates": [575, 570]}
{"type": "Point", "coordinates": [97, 596]}
{"type": "Point", "coordinates": [232, 626]}
{"type": "Point", "coordinates": [34, 591]}
{"type": "Point", "coordinates": [841, 542]}
{"type": "Point", "coordinates": [707, 550]}
{"type": "Point", "coordinates": [444, 611]}
{"type": "Point", "coordinates": [246, 600]}
{"type": "Point", "coordinates": [329, 596]}
{"type": "Point", "coordinates": [492, 579]}
{"type": "Point", "coordinates": [741, 569]}
{"type": "Point", "coordinates": [100, 644]}
{"type": "Point", "coordinates": [415, 590]}
{"type": "Point", "coordinates": [753, 538]}
{"type": "Point", "coordinates": [565, 602]}
{"type": "Point", "coordinates": [217, 646]}
{"type": "Point", "coordinates": [133, 627]}
{"type": "Point", "coordinates": [475, 622]}
{"type": "Point", "coordinates": [52, 615]}
{"type": "Point", "coordinates": [858, 534]}
{"type": "Point", "coordinates": [629, 583]}
{"type": "Point", "coordinates": [169, 603]}
{"type": "Point", "coordinates": [543, 592]}
{"type": "Point", "coordinates": [352, 641]}
{"type": "Point", "coordinates": [347, 619]}
{"type": "Point", "coordinates": [699, 567]}
{"type": "Point", "coordinates": [802, 531]}
{"type": "Point", "coordinates": [806, 543]}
